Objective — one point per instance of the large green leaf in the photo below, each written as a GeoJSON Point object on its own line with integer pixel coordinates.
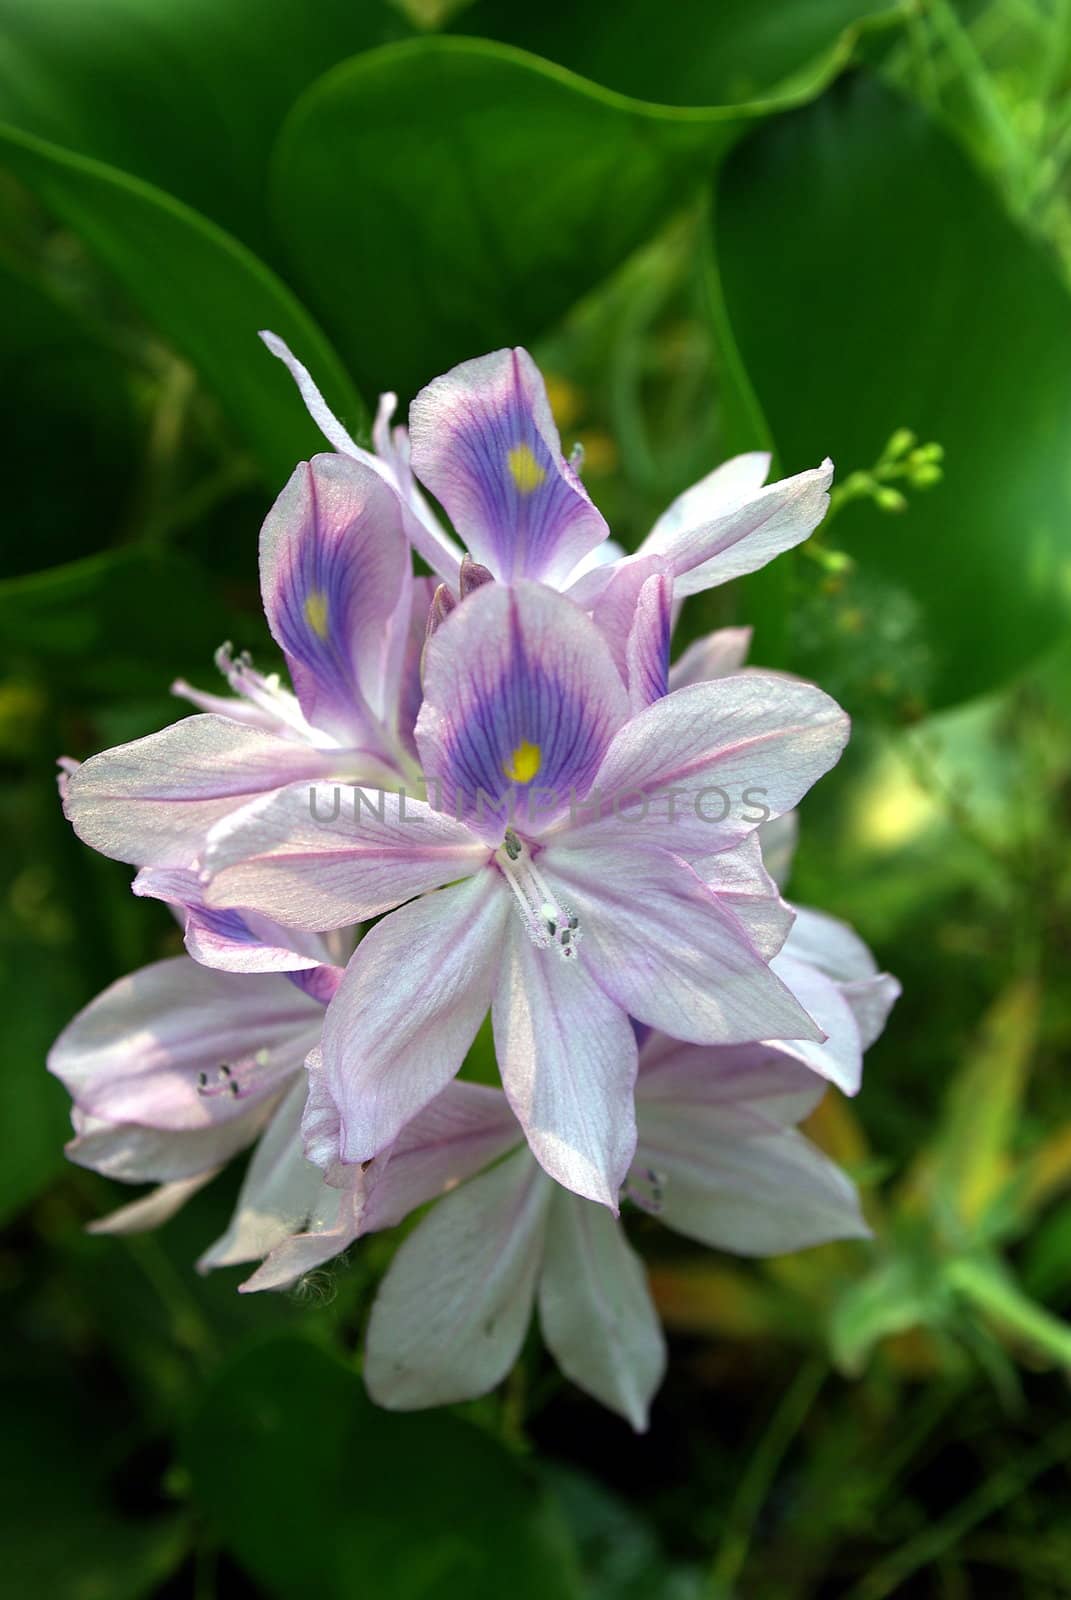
{"type": "Point", "coordinates": [872, 282]}
{"type": "Point", "coordinates": [187, 94]}
{"type": "Point", "coordinates": [319, 1492]}
{"type": "Point", "coordinates": [687, 53]}
{"type": "Point", "coordinates": [67, 1533]}
{"type": "Point", "coordinates": [125, 621]}
{"type": "Point", "coordinates": [72, 403]}
{"type": "Point", "coordinates": [201, 288]}
{"type": "Point", "coordinates": [39, 989]}
{"type": "Point", "coordinates": [448, 195]}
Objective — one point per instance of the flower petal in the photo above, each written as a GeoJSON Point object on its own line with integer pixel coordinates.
{"type": "Point", "coordinates": [153, 801]}
{"type": "Point", "coordinates": [232, 941]}
{"type": "Point", "coordinates": [279, 1192]}
{"type": "Point", "coordinates": [332, 1226]}
{"type": "Point", "coordinates": [754, 1196]}
{"type": "Point", "coordinates": [658, 941]}
{"type": "Point", "coordinates": [613, 611]}
{"type": "Point", "coordinates": [131, 1154]}
{"type": "Point", "coordinates": [647, 652]}
{"type": "Point", "coordinates": [731, 540]}
{"type": "Point", "coordinates": [719, 1160]}
{"type": "Point", "coordinates": [754, 1087]}
{"type": "Point", "coordinates": [327, 855]}
{"type": "Point", "coordinates": [567, 1055]}
{"type": "Point", "coordinates": [334, 562]}
{"type": "Point", "coordinates": [180, 1046]}
{"type": "Point", "coordinates": [457, 1134]}
{"type": "Point", "coordinates": [830, 945]}
{"type": "Point", "coordinates": [484, 442]}
{"type": "Point", "coordinates": [713, 759]}
{"type": "Point", "coordinates": [596, 1312]}
{"type": "Point", "coordinates": [871, 1000]}
{"type": "Point", "coordinates": [724, 489]}
{"type": "Point", "coordinates": [411, 685]}
{"type": "Point", "coordinates": [452, 1312]}
{"type": "Point", "coordinates": [833, 951]}
{"type": "Point", "coordinates": [778, 839]}
{"type": "Point", "coordinates": [427, 537]}
{"type": "Point", "coordinates": [415, 992]}
{"type": "Point", "coordinates": [151, 1210]}
{"type": "Point", "coordinates": [716, 655]}
{"type": "Point", "coordinates": [839, 1056]}
{"type": "Point", "coordinates": [742, 884]}
{"type": "Point", "coordinates": [521, 700]}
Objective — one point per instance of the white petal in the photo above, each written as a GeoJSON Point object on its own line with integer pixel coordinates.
{"type": "Point", "coordinates": [278, 1194]}
{"type": "Point", "coordinates": [324, 856]}
{"type": "Point", "coordinates": [151, 1210]}
{"type": "Point", "coordinates": [722, 490]}
{"type": "Point", "coordinates": [180, 1046]}
{"type": "Point", "coordinates": [567, 1055]}
{"type": "Point", "coordinates": [153, 801]}
{"type": "Point", "coordinates": [415, 992]}
{"type": "Point", "coordinates": [661, 944]}
{"type": "Point", "coordinates": [752, 1088]}
{"type": "Point", "coordinates": [452, 1312]}
{"type": "Point", "coordinates": [715, 656]}
{"type": "Point", "coordinates": [830, 945]}
{"type": "Point", "coordinates": [758, 1196]}
{"type": "Point", "coordinates": [712, 760]}
{"type": "Point", "coordinates": [839, 1056]}
{"type": "Point", "coordinates": [129, 1154]}
{"type": "Point", "coordinates": [778, 839]}
{"type": "Point", "coordinates": [740, 880]}
{"type": "Point", "coordinates": [457, 1134]}
{"type": "Point", "coordinates": [738, 539]}
{"type": "Point", "coordinates": [596, 1312]}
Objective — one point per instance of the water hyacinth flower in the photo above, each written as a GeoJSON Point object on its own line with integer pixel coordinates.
{"type": "Point", "coordinates": [482, 439]}
{"type": "Point", "coordinates": [342, 604]}
{"type": "Point", "coordinates": [551, 823]}
{"type": "Point", "coordinates": [718, 1159]}
{"type": "Point", "coordinates": [530, 889]}
{"type": "Point", "coordinates": [176, 1068]}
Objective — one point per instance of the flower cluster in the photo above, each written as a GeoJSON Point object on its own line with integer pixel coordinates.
{"type": "Point", "coordinates": [486, 791]}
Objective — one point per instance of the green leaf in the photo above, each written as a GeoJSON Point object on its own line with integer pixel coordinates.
{"type": "Point", "coordinates": [900, 1294]}
{"type": "Point", "coordinates": [201, 288]}
{"type": "Point", "coordinates": [118, 623]}
{"type": "Point", "coordinates": [873, 282]}
{"type": "Point", "coordinates": [39, 990]}
{"type": "Point", "coordinates": [70, 402]}
{"type": "Point", "coordinates": [187, 96]}
{"type": "Point", "coordinates": [972, 1146]}
{"type": "Point", "coordinates": [990, 1288]}
{"type": "Point", "coordinates": [687, 53]}
{"type": "Point", "coordinates": [445, 196]}
{"type": "Point", "coordinates": [64, 1448]}
{"type": "Point", "coordinates": [316, 1491]}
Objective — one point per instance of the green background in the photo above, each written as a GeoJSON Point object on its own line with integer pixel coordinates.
{"type": "Point", "coordinates": [798, 224]}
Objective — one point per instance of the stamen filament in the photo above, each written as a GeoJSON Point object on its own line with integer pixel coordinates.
{"type": "Point", "coordinates": [547, 919]}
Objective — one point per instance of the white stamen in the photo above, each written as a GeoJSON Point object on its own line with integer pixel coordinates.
{"type": "Point", "coordinates": [547, 919]}
{"type": "Point", "coordinates": [267, 693]}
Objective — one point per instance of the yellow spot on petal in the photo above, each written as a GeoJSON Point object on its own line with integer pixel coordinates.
{"type": "Point", "coordinates": [316, 613]}
{"type": "Point", "coordinates": [524, 763]}
{"type": "Point", "coordinates": [525, 469]}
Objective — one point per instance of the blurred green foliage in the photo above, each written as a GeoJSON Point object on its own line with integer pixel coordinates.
{"type": "Point", "coordinates": [809, 224]}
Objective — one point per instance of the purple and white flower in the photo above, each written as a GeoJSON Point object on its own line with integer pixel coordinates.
{"type": "Point", "coordinates": [550, 823]}
{"type": "Point", "coordinates": [482, 439]}
{"type": "Point", "coordinates": [559, 907]}
{"type": "Point", "coordinates": [342, 604]}
{"type": "Point", "coordinates": [175, 1069]}
{"type": "Point", "coordinates": [718, 1159]}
